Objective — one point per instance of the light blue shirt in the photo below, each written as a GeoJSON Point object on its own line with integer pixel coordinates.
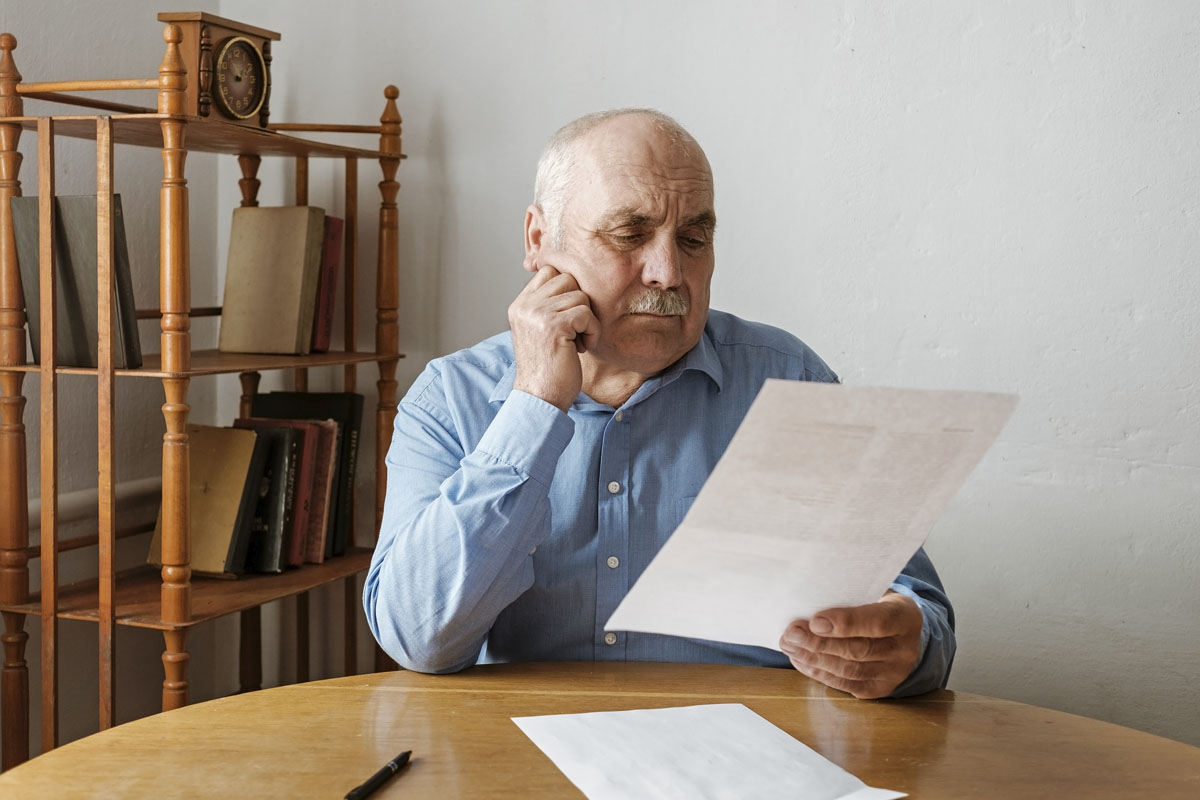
{"type": "Point", "coordinates": [511, 530]}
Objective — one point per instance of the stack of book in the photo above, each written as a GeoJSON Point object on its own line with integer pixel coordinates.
{"type": "Point", "coordinates": [275, 490]}
{"type": "Point", "coordinates": [280, 280]}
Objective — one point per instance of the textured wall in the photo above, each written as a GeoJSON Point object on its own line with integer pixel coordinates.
{"type": "Point", "coordinates": [972, 195]}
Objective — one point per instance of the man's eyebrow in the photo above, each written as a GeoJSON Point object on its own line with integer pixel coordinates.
{"type": "Point", "coordinates": [705, 219]}
{"type": "Point", "coordinates": [630, 217]}
{"type": "Point", "coordinates": [622, 218]}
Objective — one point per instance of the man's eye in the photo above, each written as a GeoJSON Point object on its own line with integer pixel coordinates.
{"type": "Point", "coordinates": [626, 238]}
{"type": "Point", "coordinates": [693, 242]}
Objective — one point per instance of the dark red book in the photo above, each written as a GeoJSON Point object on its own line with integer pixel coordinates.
{"type": "Point", "coordinates": [331, 260]}
{"type": "Point", "coordinates": [324, 491]}
{"type": "Point", "coordinates": [305, 466]}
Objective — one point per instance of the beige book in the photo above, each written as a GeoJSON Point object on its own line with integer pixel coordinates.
{"type": "Point", "coordinates": [223, 477]}
{"type": "Point", "coordinates": [271, 279]}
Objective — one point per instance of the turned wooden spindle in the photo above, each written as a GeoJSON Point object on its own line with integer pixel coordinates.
{"type": "Point", "coordinates": [387, 336]}
{"type": "Point", "coordinates": [249, 182]}
{"type": "Point", "coordinates": [14, 513]}
{"type": "Point", "coordinates": [175, 302]}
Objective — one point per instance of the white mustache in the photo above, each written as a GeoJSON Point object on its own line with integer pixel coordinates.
{"type": "Point", "coordinates": [659, 301]}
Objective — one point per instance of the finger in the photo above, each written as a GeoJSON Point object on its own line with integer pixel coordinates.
{"type": "Point", "coordinates": [863, 690]}
{"type": "Point", "coordinates": [847, 669]}
{"type": "Point", "coordinates": [582, 321]}
{"type": "Point", "coordinates": [799, 637]}
{"type": "Point", "coordinates": [540, 278]}
{"type": "Point", "coordinates": [893, 615]}
{"type": "Point", "coordinates": [568, 300]}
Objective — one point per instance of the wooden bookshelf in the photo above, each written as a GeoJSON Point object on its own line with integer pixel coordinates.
{"type": "Point", "coordinates": [136, 601]}
{"type": "Point", "coordinates": [214, 362]}
{"type": "Point", "coordinates": [169, 599]}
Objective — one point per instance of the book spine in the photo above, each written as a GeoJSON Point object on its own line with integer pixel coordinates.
{"type": "Point", "coordinates": [327, 287]}
{"type": "Point", "coordinates": [287, 528]}
{"type": "Point", "coordinates": [345, 532]}
{"type": "Point", "coordinates": [126, 327]}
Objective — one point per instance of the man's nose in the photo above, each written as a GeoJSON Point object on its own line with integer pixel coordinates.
{"type": "Point", "coordinates": [660, 267]}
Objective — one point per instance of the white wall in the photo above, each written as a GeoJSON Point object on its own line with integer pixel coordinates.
{"type": "Point", "coordinates": [943, 195]}
{"type": "Point", "coordinates": [972, 195]}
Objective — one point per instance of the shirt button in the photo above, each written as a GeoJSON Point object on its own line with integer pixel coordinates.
{"type": "Point", "coordinates": [610, 638]}
{"type": "Point", "coordinates": [613, 562]}
{"type": "Point", "coordinates": [533, 550]}
{"type": "Point", "coordinates": [613, 487]}
{"type": "Point", "coordinates": [620, 416]}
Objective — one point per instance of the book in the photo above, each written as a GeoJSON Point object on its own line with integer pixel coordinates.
{"type": "Point", "coordinates": [77, 329]}
{"type": "Point", "coordinates": [275, 497]}
{"type": "Point", "coordinates": [305, 469]}
{"type": "Point", "coordinates": [331, 260]}
{"type": "Point", "coordinates": [271, 279]}
{"type": "Point", "coordinates": [324, 485]}
{"type": "Point", "coordinates": [223, 476]}
{"type": "Point", "coordinates": [345, 408]}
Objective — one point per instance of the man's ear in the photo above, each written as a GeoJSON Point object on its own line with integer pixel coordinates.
{"type": "Point", "coordinates": [535, 233]}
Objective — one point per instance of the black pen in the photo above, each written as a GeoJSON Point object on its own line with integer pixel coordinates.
{"type": "Point", "coordinates": [379, 778]}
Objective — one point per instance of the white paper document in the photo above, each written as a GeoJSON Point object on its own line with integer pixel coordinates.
{"type": "Point", "coordinates": [692, 752]}
{"type": "Point", "coordinates": [819, 501]}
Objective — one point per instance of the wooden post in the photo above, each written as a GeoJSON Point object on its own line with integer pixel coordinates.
{"type": "Point", "coordinates": [175, 302]}
{"type": "Point", "coordinates": [49, 432]}
{"type": "Point", "coordinates": [249, 620]}
{"type": "Point", "coordinates": [350, 276]}
{"type": "Point", "coordinates": [301, 373]}
{"type": "Point", "coordinates": [387, 336]}
{"type": "Point", "coordinates": [14, 511]}
{"type": "Point", "coordinates": [105, 459]}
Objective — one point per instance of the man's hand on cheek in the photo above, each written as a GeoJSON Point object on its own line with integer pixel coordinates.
{"type": "Point", "coordinates": [551, 322]}
{"type": "Point", "coordinates": [867, 650]}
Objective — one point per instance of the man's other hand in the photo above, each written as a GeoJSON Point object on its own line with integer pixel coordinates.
{"type": "Point", "coordinates": [551, 322]}
{"type": "Point", "coordinates": [867, 650]}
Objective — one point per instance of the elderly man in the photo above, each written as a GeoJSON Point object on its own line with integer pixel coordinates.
{"type": "Point", "coordinates": [531, 478]}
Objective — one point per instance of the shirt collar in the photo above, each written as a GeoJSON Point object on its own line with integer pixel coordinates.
{"type": "Point", "coordinates": [701, 358]}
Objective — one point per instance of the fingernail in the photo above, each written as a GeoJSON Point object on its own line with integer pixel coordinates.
{"type": "Point", "coordinates": [820, 625]}
{"type": "Point", "coordinates": [793, 639]}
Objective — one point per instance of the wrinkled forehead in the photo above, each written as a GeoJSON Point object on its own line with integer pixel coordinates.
{"type": "Point", "coordinates": [630, 162]}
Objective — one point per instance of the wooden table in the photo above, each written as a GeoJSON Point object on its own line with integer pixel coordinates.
{"type": "Point", "coordinates": [320, 739]}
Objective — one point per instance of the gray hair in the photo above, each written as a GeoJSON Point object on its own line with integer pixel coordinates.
{"type": "Point", "coordinates": [559, 161]}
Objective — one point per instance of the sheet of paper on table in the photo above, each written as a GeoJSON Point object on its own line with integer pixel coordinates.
{"type": "Point", "coordinates": [819, 501]}
{"type": "Point", "coordinates": [694, 752]}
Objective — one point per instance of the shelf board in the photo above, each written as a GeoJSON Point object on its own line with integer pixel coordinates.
{"type": "Point", "coordinates": [138, 593]}
{"type": "Point", "coordinates": [214, 362]}
{"type": "Point", "coordinates": [203, 135]}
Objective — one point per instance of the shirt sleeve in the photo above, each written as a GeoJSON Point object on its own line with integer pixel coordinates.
{"type": "Point", "coordinates": [458, 527]}
{"type": "Point", "coordinates": [919, 580]}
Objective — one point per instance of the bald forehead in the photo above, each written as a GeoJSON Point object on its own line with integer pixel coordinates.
{"type": "Point", "coordinates": [631, 166]}
{"type": "Point", "coordinates": [641, 140]}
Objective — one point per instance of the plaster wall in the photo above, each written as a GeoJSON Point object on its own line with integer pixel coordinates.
{"type": "Point", "coordinates": [973, 195]}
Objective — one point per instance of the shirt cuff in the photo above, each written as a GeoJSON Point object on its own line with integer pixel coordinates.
{"type": "Point", "coordinates": [900, 588]}
{"type": "Point", "coordinates": [529, 435]}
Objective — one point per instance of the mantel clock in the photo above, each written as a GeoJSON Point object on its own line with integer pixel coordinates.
{"type": "Point", "coordinates": [228, 67]}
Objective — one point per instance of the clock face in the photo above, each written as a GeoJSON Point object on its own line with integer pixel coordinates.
{"type": "Point", "coordinates": [241, 78]}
